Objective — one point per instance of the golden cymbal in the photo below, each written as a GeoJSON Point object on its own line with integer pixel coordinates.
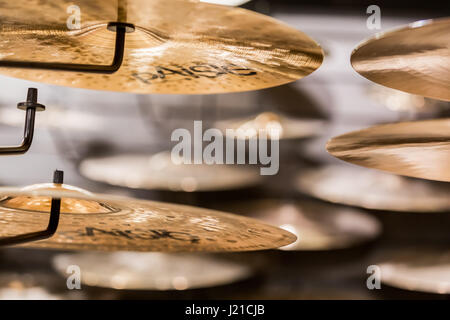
{"type": "Point", "coordinates": [152, 271]}
{"type": "Point", "coordinates": [317, 226]}
{"type": "Point", "coordinates": [109, 223]}
{"type": "Point", "coordinates": [178, 47]}
{"type": "Point", "coordinates": [418, 149]}
{"type": "Point", "coordinates": [417, 269]}
{"type": "Point", "coordinates": [373, 189]}
{"type": "Point", "coordinates": [413, 59]}
{"type": "Point", "coordinates": [158, 172]}
{"type": "Point", "coordinates": [272, 126]}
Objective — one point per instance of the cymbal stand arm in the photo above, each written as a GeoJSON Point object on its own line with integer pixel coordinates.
{"type": "Point", "coordinates": [30, 107]}
{"type": "Point", "coordinates": [58, 178]}
{"type": "Point", "coordinates": [120, 28]}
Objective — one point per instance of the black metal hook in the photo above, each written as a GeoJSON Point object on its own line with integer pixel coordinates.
{"type": "Point", "coordinates": [120, 27]}
{"type": "Point", "coordinates": [58, 178]}
{"type": "Point", "coordinates": [30, 106]}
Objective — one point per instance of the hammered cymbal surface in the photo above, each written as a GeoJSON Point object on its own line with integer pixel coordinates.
{"type": "Point", "coordinates": [414, 59]}
{"type": "Point", "coordinates": [158, 172]}
{"type": "Point", "coordinates": [137, 225]}
{"type": "Point", "coordinates": [152, 271]}
{"type": "Point", "coordinates": [178, 47]}
{"type": "Point", "coordinates": [372, 189]}
{"type": "Point", "coordinates": [317, 226]}
{"type": "Point", "coordinates": [418, 149]}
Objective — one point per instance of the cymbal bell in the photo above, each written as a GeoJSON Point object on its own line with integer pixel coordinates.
{"type": "Point", "coordinates": [418, 149]}
{"type": "Point", "coordinates": [372, 189]}
{"type": "Point", "coordinates": [158, 172]}
{"type": "Point", "coordinates": [413, 59]}
{"type": "Point", "coordinates": [317, 226]}
{"type": "Point", "coordinates": [152, 271]}
{"type": "Point", "coordinates": [110, 223]}
{"type": "Point", "coordinates": [199, 48]}
{"type": "Point", "coordinates": [424, 269]}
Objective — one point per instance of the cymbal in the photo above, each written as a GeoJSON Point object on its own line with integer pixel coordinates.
{"type": "Point", "coordinates": [199, 48]}
{"type": "Point", "coordinates": [158, 172]}
{"type": "Point", "coordinates": [110, 223]}
{"type": "Point", "coordinates": [272, 125]}
{"type": "Point", "coordinates": [400, 101]}
{"type": "Point", "coordinates": [34, 285]}
{"type": "Point", "coordinates": [418, 149]}
{"type": "Point", "coordinates": [317, 226]}
{"type": "Point", "coordinates": [417, 269]}
{"type": "Point", "coordinates": [152, 271]}
{"type": "Point", "coordinates": [413, 59]}
{"type": "Point", "coordinates": [372, 189]}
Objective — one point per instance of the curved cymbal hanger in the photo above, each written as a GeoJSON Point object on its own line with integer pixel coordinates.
{"type": "Point", "coordinates": [30, 106]}
{"type": "Point", "coordinates": [120, 27]}
{"type": "Point", "coordinates": [58, 178]}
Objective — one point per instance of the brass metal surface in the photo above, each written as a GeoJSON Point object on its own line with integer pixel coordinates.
{"type": "Point", "coordinates": [158, 172]}
{"type": "Point", "coordinates": [424, 269]}
{"type": "Point", "coordinates": [152, 271]}
{"type": "Point", "coordinates": [135, 225]}
{"type": "Point", "coordinates": [414, 59]}
{"type": "Point", "coordinates": [317, 226]}
{"type": "Point", "coordinates": [373, 189]}
{"type": "Point", "coordinates": [418, 149]}
{"type": "Point", "coordinates": [178, 47]}
{"type": "Point", "coordinates": [271, 125]}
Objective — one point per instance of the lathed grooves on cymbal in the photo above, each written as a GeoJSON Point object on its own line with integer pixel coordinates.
{"type": "Point", "coordinates": [414, 59]}
{"type": "Point", "coordinates": [152, 271]}
{"type": "Point", "coordinates": [372, 189]}
{"type": "Point", "coordinates": [424, 269]}
{"type": "Point", "coordinates": [158, 172]}
{"type": "Point", "coordinates": [317, 226]}
{"type": "Point", "coordinates": [418, 149]}
{"type": "Point", "coordinates": [139, 225]}
{"type": "Point", "coordinates": [178, 47]}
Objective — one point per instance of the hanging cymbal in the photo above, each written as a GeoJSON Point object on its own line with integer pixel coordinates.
{"type": "Point", "coordinates": [417, 269]}
{"type": "Point", "coordinates": [152, 271]}
{"type": "Point", "coordinates": [108, 223]}
{"type": "Point", "coordinates": [373, 189]}
{"type": "Point", "coordinates": [317, 226]}
{"type": "Point", "coordinates": [272, 126]}
{"type": "Point", "coordinates": [413, 59]}
{"type": "Point", "coordinates": [197, 48]}
{"type": "Point", "coordinates": [158, 172]}
{"type": "Point", "coordinates": [418, 149]}
{"type": "Point", "coordinates": [400, 101]}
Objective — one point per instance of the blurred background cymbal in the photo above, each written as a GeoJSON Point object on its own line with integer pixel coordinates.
{"type": "Point", "coordinates": [317, 226]}
{"type": "Point", "coordinates": [373, 189]}
{"type": "Point", "coordinates": [417, 268]}
{"type": "Point", "coordinates": [152, 271]}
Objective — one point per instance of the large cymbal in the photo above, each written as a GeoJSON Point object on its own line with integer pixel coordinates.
{"type": "Point", "coordinates": [99, 222]}
{"type": "Point", "coordinates": [418, 149]}
{"type": "Point", "coordinates": [424, 269]}
{"type": "Point", "coordinates": [317, 226]}
{"type": "Point", "coordinates": [179, 47]}
{"type": "Point", "coordinates": [152, 271]}
{"type": "Point", "coordinates": [413, 59]}
{"type": "Point", "coordinates": [158, 172]}
{"type": "Point", "coordinates": [373, 189]}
